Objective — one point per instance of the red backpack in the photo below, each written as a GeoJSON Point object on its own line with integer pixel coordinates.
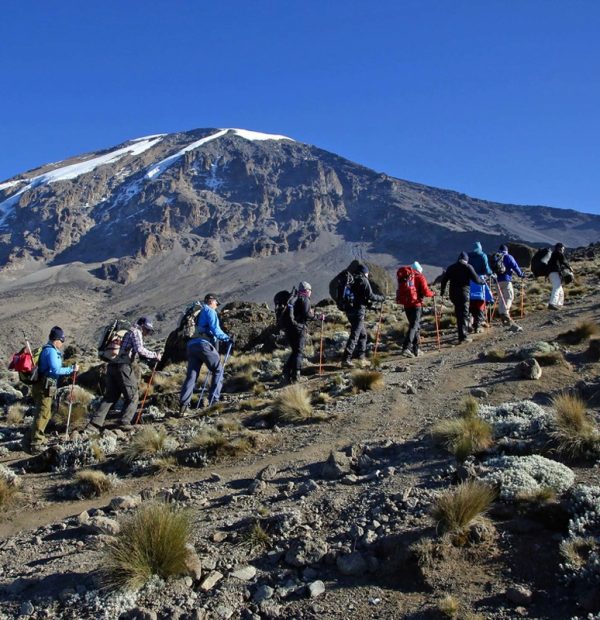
{"type": "Point", "coordinates": [406, 295]}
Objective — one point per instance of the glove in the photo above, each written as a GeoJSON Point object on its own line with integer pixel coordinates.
{"type": "Point", "coordinates": [75, 368]}
{"type": "Point", "coordinates": [321, 317]}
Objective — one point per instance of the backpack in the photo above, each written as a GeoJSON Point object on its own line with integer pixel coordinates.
{"type": "Point", "coordinates": [498, 266]}
{"type": "Point", "coordinates": [112, 337]}
{"type": "Point", "coordinates": [341, 291]}
{"type": "Point", "coordinates": [539, 262]}
{"type": "Point", "coordinates": [25, 362]}
{"type": "Point", "coordinates": [407, 294]}
{"type": "Point", "coordinates": [284, 303]}
{"type": "Point", "coordinates": [187, 323]}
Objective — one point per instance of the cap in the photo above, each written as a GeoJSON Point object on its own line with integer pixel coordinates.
{"type": "Point", "coordinates": [146, 323]}
{"type": "Point", "coordinates": [417, 266]}
{"type": "Point", "coordinates": [362, 269]}
{"type": "Point", "coordinates": [210, 297]}
{"type": "Point", "coordinates": [56, 333]}
{"type": "Point", "coordinates": [503, 248]}
{"type": "Point", "coordinates": [304, 286]}
{"type": "Point", "coordinates": [463, 256]}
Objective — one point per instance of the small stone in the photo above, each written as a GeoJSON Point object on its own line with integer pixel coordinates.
{"type": "Point", "coordinates": [350, 479]}
{"type": "Point", "coordinates": [478, 392]}
{"type": "Point", "coordinates": [336, 465]}
{"type": "Point", "coordinates": [268, 473]}
{"type": "Point", "coordinates": [263, 593]}
{"type": "Point", "coordinates": [351, 564]}
{"type": "Point", "coordinates": [316, 588]}
{"type": "Point", "coordinates": [103, 525]}
{"type": "Point", "coordinates": [83, 518]}
{"type": "Point", "coordinates": [27, 608]}
{"type": "Point", "coordinates": [193, 563]}
{"type": "Point", "coordinates": [125, 502]}
{"type": "Point", "coordinates": [245, 573]}
{"type": "Point", "coordinates": [306, 552]}
{"type": "Point", "coordinates": [139, 613]}
{"type": "Point", "coordinates": [223, 612]}
{"type": "Point", "coordinates": [519, 595]}
{"type": "Point", "coordinates": [257, 486]}
{"type": "Point", "coordinates": [219, 537]}
{"type": "Point", "coordinates": [211, 580]}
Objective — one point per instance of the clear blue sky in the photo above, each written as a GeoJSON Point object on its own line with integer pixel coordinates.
{"type": "Point", "coordinates": [498, 99]}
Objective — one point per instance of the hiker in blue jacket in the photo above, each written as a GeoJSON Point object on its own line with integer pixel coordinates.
{"type": "Point", "coordinates": [202, 349]}
{"type": "Point", "coordinates": [479, 261]}
{"type": "Point", "coordinates": [507, 292]}
{"type": "Point", "coordinates": [50, 369]}
{"type": "Point", "coordinates": [477, 300]}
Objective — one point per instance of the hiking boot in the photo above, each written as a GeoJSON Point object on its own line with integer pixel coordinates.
{"type": "Point", "coordinates": [407, 353]}
{"type": "Point", "coordinates": [553, 307]}
{"type": "Point", "coordinates": [36, 448]}
{"type": "Point", "coordinates": [347, 364]}
{"type": "Point", "coordinates": [182, 411]}
{"type": "Point", "coordinates": [467, 339]}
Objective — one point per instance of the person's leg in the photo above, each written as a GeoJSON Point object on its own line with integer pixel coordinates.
{"type": "Point", "coordinates": [298, 354]}
{"type": "Point", "coordinates": [42, 398]}
{"type": "Point", "coordinates": [509, 294]}
{"type": "Point", "coordinates": [129, 385]}
{"type": "Point", "coordinates": [461, 309]}
{"type": "Point", "coordinates": [417, 329]}
{"type": "Point", "coordinates": [361, 347]}
{"type": "Point", "coordinates": [555, 295]}
{"type": "Point", "coordinates": [193, 368]}
{"type": "Point", "coordinates": [355, 326]}
{"type": "Point", "coordinates": [112, 393]}
{"type": "Point", "coordinates": [413, 328]}
{"type": "Point", "coordinates": [212, 359]}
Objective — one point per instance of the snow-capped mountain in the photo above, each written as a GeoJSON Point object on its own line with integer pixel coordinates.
{"type": "Point", "coordinates": [221, 194]}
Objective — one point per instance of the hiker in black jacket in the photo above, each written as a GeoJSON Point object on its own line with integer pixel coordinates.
{"type": "Point", "coordinates": [557, 265]}
{"type": "Point", "coordinates": [363, 298]}
{"type": "Point", "coordinates": [296, 330]}
{"type": "Point", "coordinates": [460, 275]}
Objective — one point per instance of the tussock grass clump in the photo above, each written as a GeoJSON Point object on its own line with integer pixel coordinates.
{"type": "Point", "coordinates": [574, 431]}
{"type": "Point", "coordinates": [151, 542]}
{"type": "Point", "coordinates": [576, 551]}
{"type": "Point", "coordinates": [223, 443]}
{"type": "Point", "coordinates": [256, 537]}
{"type": "Point", "coordinates": [449, 607]}
{"type": "Point", "coordinates": [465, 435]}
{"type": "Point", "coordinates": [164, 463]}
{"type": "Point", "coordinates": [92, 483]}
{"type": "Point", "coordinates": [495, 355]}
{"type": "Point", "coordinates": [584, 330]}
{"type": "Point", "coordinates": [364, 380]}
{"type": "Point", "coordinates": [242, 381]}
{"type": "Point", "coordinates": [7, 492]}
{"type": "Point", "coordinates": [292, 405]}
{"type": "Point", "coordinates": [470, 407]}
{"type": "Point", "coordinates": [552, 358]}
{"type": "Point", "coordinates": [322, 398]}
{"type": "Point", "coordinates": [209, 439]}
{"type": "Point", "coordinates": [457, 508]}
{"type": "Point", "coordinates": [79, 409]}
{"type": "Point", "coordinates": [252, 404]}
{"type": "Point", "coordinates": [537, 496]}
{"type": "Point", "coordinates": [146, 443]}
{"type": "Point", "coordinates": [15, 414]}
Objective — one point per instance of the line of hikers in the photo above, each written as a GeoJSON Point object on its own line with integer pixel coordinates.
{"type": "Point", "coordinates": [468, 281]}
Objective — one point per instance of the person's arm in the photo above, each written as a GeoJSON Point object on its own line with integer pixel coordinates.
{"type": "Point", "coordinates": [473, 274]}
{"type": "Point", "coordinates": [514, 266]}
{"type": "Point", "coordinates": [214, 327]}
{"type": "Point", "coordinates": [444, 281]}
{"type": "Point", "coordinates": [139, 348]}
{"type": "Point", "coordinates": [54, 362]}
{"type": "Point", "coordinates": [486, 263]}
{"type": "Point", "coordinates": [423, 289]}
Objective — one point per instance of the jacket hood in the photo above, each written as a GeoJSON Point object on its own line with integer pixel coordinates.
{"type": "Point", "coordinates": [477, 248]}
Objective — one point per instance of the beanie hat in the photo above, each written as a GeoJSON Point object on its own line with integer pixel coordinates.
{"type": "Point", "coordinates": [417, 266]}
{"type": "Point", "coordinates": [464, 257]}
{"type": "Point", "coordinates": [56, 333]}
{"type": "Point", "coordinates": [146, 323]}
{"type": "Point", "coordinates": [362, 269]}
{"type": "Point", "coordinates": [503, 248]}
{"type": "Point", "coordinates": [211, 297]}
{"type": "Point", "coordinates": [477, 247]}
{"type": "Point", "coordinates": [559, 246]}
{"type": "Point", "coordinates": [304, 286]}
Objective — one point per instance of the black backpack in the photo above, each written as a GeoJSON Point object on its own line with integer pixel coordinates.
{"type": "Point", "coordinates": [112, 336]}
{"type": "Point", "coordinates": [539, 262]}
{"type": "Point", "coordinates": [341, 291]}
{"type": "Point", "coordinates": [284, 303]}
{"type": "Point", "coordinates": [498, 266]}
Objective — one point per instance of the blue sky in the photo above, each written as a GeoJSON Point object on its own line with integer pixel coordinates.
{"type": "Point", "coordinates": [497, 99]}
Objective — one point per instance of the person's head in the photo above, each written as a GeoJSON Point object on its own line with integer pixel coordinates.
{"type": "Point", "coordinates": [503, 248]}
{"type": "Point", "coordinates": [57, 337]}
{"type": "Point", "coordinates": [417, 266]}
{"type": "Point", "coordinates": [145, 324]}
{"type": "Point", "coordinates": [211, 301]}
{"type": "Point", "coordinates": [559, 247]}
{"type": "Point", "coordinates": [477, 247]}
{"type": "Point", "coordinates": [463, 257]}
{"type": "Point", "coordinates": [305, 288]}
{"type": "Point", "coordinates": [363, 269]}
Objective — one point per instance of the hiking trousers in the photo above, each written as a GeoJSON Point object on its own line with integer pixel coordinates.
{"type": "Point", "coordinates": [121, 380]}
{"type": "Point", "coordinates": [461, 311]}
{"type": "Point", "coordinates": [296, 337]}
{"type": "Point", "coordinates": [477, 310]}
{"type": "Point", "coordinates": [557, 296]}
{"type": "Point", "coordinates": [200, 351]}
{"type": "Point", "coordinates": [42, 398]}
{"type": "Point", "coordinates": [411, 340]}
{"type": "Point", "coordinates": [507, 296]}
{"type": "Point", "coordinates": [357, 342]}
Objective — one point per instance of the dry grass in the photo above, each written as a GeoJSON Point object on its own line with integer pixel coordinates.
{"type": "Point", "coordinates": [539, 496]}
{"type": "Point", "coordinates": [495, 355]}
{"type": "Point", "coordinates": [93, 483]}
{"type": "Point", "coordinates": [165, 464]}
{"type": "Point", "coordinates": [584, 330]}
{"type": "Point", "coordinates": [457, 508]}
{"type": "Point", "coordinates": [292, 406]}
{"type": "Point", "coordinates": [147, 442]}
{"type": "Point", "coordinates": [365, 380]}
{"type": "Point", "coordinates": [576, 551]}
{"type": "Point", "coordinates": [15, 414]}
{"type": "Point", "coordinates": [553, 358]}
{"type": "Point", "coordinates": [252, 404]}
{"type": "Point", "coordinates": [449, 607]}
{"type": "Point", "coordinates": [574, 431]}
{"type": "Point", "coordinates": [223, 443]}
{"type": "Point", "coordinates": [79, 409]}
{"type": "Point", "coordinates": [151, 542]}
{"type": "Point", "coordinates": [7, 492]}
{"type": "Point", "coordinates": [322, 398]}
{"type": "Point", "coordinates": [463, 436]}
{"type": "Point", "coordinates": [242, 381]}
{"type": "Point", "coordinates": [470, 407]}
{"type": "Point", "coordinates": [256, 537]}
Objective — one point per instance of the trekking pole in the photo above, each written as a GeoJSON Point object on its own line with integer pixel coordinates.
{"type": "Point", "coordinates": [522, 298]}
{"type": "Point", "coordinates": [138, 417]}
{"type": "Point", "coordinates": [212, 398]}
{"type": "Point", "coordinates": [321, 346]}
{"type": "Point", "coordinates": [501, 297]}
{"type": "Point", "coordinates": [70, 404]}
{"type": "Point", "coordinates": [437, 324]}
{"type": "Point", "coordinates": [208, 373]}
{"type": "Point", "coordinates": [378, 332]}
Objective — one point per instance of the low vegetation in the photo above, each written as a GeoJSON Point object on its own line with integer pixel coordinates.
{"type": "Point", "coordinates": [92, 483]}
{"type": "Point", "coordinates": [256, 537]}
{"type": "Point", "coordinates": [147, 442]}
{"type": "Point", "coordinates": [365, 380]}
{"type": "Point", "coordinates": [7, 492]}
{"type": "Point", "coordinates": [582, 331]}
{"type": "Point", "coordinates": [293, 406]}
{"type": "Point", "coordinates": [223, 442]}
{"type": "Point", "coordinates": [457, 508]}
{"type": "Point", "coordinates": [574, 430]}
{"type": "Point", "coordinates": [151, 542]}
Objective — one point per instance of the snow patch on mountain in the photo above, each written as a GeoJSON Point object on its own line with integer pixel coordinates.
{"type": "Point", "coordinates": [9, 184]}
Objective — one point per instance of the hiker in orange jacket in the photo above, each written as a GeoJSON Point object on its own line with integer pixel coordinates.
{"type": "Point", "coordinates": [412, 288]}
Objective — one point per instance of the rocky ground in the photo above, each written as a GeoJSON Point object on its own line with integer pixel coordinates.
{"type": "Point", "coordinates": [332, 517]}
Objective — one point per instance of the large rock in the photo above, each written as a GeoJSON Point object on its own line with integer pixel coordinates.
{"type": "Point", "coordinates": [529, 369]}
{"type": "Point", "coordinates": [336, 466]}
{"type": "Point", "coordinates": [306, 552]}
{"type": "Point", "coordinates": [352, 564]}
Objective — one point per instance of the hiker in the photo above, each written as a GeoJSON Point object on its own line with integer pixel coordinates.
{"type": "Point", "coordinates": [412, 288]}
{"type": "Point", "coordinates": [479, 296]}
{"type": "Point", "coordinates": [202, 349]}
{"type": "Point", "coordinates": [505, 286]}
{"type": "Point", "coordinates": [460, 274]}
{"type": "Point", "coordinates": [479, 261]}
{"type": "Point", "coordinates": [43, 390]}
{"type": "Point", "coordinates": [557, 265]}
{"type": "Point", "coordinates": [122, 375]}
{"type": "Point", "coordinates": [295, 330]}
{"type": "Point", "coordinates": [363, 298]}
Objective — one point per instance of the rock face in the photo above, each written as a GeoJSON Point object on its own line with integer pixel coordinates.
{"type": "Point", "coordinates": [233, 194]}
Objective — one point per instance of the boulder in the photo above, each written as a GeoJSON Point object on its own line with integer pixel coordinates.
{"type": "Point", "coordinates": [529, 369]}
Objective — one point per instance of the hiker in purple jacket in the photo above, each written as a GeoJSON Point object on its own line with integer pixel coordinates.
{"type": "Point", "coordinates": [507, 292]}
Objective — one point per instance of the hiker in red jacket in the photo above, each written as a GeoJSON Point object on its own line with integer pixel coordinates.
{"type": "Point", "coordinates": [412, 288]}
